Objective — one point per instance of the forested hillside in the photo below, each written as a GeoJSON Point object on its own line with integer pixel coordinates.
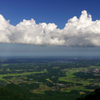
{"type": "Point", "coordinates": [7, 94]}
{"type": "Point", "coordinates": [15, 92]}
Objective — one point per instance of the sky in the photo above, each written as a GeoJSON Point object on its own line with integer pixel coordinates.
{"type": "Point", "coordinates": [49, 28]}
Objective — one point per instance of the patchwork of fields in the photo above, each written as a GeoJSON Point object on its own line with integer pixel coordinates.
{"type": "Point", "coordinates": [71, 77]}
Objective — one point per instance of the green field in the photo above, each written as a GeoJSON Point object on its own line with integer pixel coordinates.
{"type": "Point", "coordinates": [17, 74]}
{"type": "Point", "coordinates": [71, 78]}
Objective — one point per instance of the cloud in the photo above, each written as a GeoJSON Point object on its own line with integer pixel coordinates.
{"type": "Point", "coordinates": [80, 31]}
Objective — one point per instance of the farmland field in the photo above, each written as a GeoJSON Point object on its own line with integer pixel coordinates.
{"type": "Point", "coordinates": [68, 76]}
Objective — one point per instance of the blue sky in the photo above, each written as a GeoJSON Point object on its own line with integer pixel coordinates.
{"type": "Point", "coordinates": [50, 11]}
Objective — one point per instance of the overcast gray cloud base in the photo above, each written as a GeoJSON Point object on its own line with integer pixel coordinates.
{"type": "Point", "coordinates": [77, 32]}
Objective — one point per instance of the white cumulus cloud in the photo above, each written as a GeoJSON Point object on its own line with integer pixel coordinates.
{"type": "Point", "coordinates": [80, 31]}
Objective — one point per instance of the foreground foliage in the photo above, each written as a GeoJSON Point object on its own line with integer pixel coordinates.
{"type": "Point", "coordinates": [92, 96]}
{"type": "Point", "coordinates": [15, 92]}
{"type": "Point", "coordinates": [6, 94]}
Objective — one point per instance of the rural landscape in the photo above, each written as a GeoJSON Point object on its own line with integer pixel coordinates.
{"type": "Point", "coordinates": [52, 77]}
{"type": "Point", "coordinates": [49, 50]}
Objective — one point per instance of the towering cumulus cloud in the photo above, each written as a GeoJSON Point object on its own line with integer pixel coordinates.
{"type": "Point", "coordinates": [77, 32]}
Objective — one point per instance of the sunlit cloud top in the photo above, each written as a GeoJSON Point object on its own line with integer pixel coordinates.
{"type": "Point", "coordinates": [80, 31]}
